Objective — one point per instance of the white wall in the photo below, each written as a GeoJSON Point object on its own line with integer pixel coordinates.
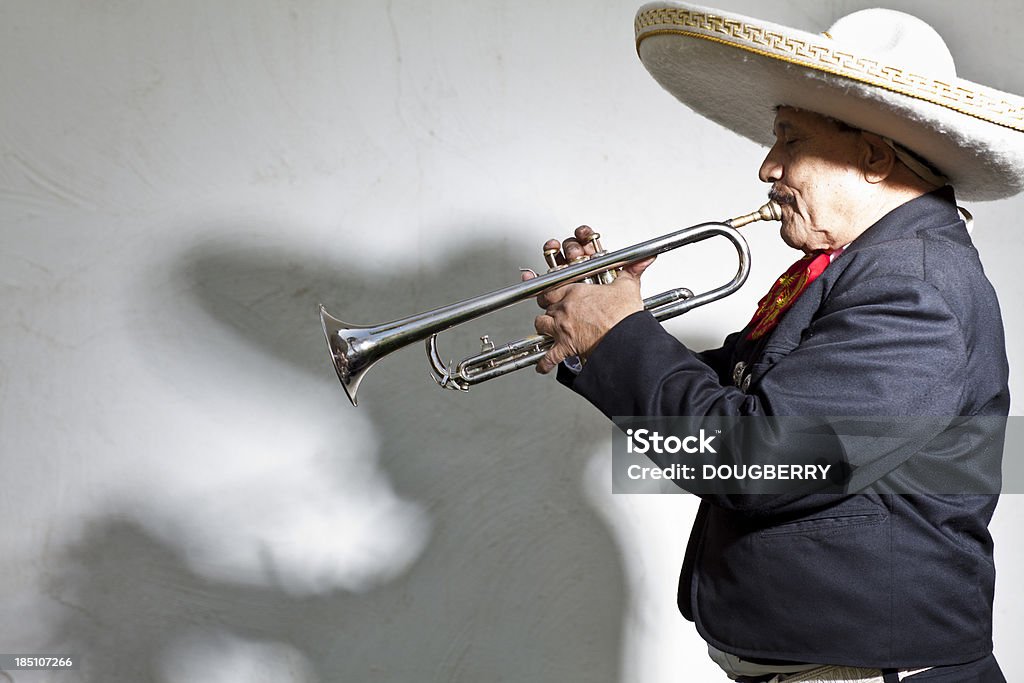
{"type": "Point", "coordinates": [188, 495]}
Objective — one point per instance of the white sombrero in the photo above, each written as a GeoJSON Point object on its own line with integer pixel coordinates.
{"type": "Point", "coordinates": [878, 70]}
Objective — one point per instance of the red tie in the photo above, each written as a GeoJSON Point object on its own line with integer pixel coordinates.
{"type": "Point", "coordinates": [784, 292]}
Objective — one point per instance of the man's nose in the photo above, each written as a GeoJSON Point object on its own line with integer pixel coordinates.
{"type": "Point", "coordinates": [771, 169]}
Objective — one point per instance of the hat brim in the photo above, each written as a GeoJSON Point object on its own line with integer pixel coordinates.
{"type": "Point", "coordinates": [736, 70]}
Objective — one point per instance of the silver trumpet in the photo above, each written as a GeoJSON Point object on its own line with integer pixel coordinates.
{"type": "Point", "coordinates": [355, 348]}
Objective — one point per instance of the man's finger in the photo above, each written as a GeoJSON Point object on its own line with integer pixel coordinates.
{"type": "Point", "coordinates": [572, 249]}
{"type": "Point", "coordinates": [551, 359]}
{"type": "Point", "coordinates": [552, 297]}
{"type": "Point", "coordinates": [544, 366]}
{"type": "Point", "coordinates": [583, 234]}
{"type": "Point", "coordinates": [544, 324]}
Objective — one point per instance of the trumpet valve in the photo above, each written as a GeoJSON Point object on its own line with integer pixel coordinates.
{"type": "Point", "coordinates": [605, 277]}
{"type": "Point", "coordinates": [595, 239]}
{"type": "Point", "coordinates": [551, 259]}
{"type": "Point", "coordinates": [591, 279]}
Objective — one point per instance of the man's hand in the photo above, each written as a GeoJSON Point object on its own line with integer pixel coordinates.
{"type": "Point", "coordinates": [578, 315]}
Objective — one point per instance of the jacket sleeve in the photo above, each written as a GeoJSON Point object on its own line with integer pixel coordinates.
{"type": "Point", "coordinates": [884, 347]}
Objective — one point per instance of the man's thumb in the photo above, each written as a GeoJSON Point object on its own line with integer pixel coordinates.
{"type": "Point", "coordinates": [637, 268]}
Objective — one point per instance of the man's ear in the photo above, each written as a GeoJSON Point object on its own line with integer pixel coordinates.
{"type": "Point", "coordinates": [877, 158]}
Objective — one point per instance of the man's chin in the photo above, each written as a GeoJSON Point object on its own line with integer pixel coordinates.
{"type": "Point", "coordinates": [786, 232]}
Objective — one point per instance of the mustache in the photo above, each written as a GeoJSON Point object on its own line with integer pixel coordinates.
{"type": "Point", "coordinates": [781, 198]}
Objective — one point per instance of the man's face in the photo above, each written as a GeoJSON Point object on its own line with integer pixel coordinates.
{"type": "Point", "coordinates": [814, 167]}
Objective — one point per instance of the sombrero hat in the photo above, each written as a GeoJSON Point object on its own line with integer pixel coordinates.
{"type": "Point", "coordinates": [879, 70]}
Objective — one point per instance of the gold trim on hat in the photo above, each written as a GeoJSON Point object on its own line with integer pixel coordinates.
{"type": "Point", "coordinates": [963, 97]}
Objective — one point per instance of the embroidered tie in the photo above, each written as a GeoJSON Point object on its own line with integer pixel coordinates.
{"type": "Point", "coordinates": [784, 292]}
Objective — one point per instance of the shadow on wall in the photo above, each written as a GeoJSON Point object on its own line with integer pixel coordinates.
{"type": "Point", "coordinates": [518, 580]}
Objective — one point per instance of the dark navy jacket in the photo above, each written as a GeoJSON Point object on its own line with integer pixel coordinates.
{"type": "Point", "coordinates": [902, 323]}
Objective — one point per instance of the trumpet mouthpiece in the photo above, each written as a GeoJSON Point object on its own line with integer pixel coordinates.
{"type": "Point", "coordinates": [769, 212]}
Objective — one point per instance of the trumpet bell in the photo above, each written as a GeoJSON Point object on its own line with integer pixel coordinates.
{"type": "Point", "coordinates": [351, 351]}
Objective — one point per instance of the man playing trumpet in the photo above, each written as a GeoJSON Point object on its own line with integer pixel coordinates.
{"type": "Point", "coordinates": [888, 313]}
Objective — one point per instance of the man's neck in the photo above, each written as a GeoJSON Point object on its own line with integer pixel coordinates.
{"type": "Point", "coordinates": [899, 188]}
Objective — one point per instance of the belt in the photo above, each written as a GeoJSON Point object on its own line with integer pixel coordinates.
{"type": "Point", "coordinates": [754, 669]}
{"type": "Point", "coordinates": [835, 674]}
